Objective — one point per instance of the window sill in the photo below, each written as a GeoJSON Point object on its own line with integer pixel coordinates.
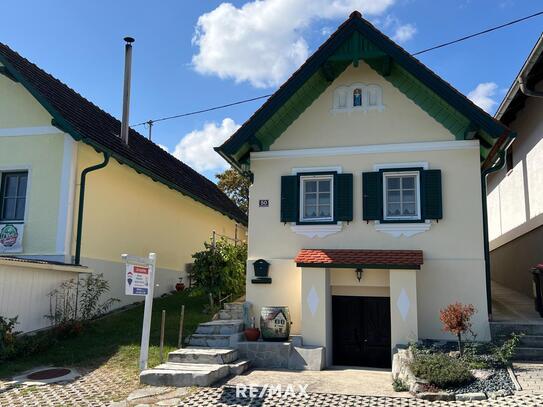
{"type": "Point", "coordinates": [313, 231]}
{"type": "Point", "coordinates": [403, 229]}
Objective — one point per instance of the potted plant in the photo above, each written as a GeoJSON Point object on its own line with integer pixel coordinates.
{"type": "Point", "coordinates": [252, 334]}
{"type": "Point", "coordinates": [180, 286]}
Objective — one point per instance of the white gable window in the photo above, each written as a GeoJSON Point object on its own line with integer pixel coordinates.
{"type": "Point", "coordinates": [358, 97]}
{"type": "Point", "coordinates": [401, 196]}
{"type": "Point", "coordinates": [316, 192]}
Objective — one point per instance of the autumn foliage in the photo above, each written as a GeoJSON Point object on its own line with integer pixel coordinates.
{"type": "Point", "coordinates": [456, 318]}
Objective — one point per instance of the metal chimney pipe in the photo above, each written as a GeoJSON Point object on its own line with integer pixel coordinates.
{"type": "Point", "coordinates": [126, 89]}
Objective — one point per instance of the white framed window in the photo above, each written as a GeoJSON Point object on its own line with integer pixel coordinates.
{"type": "Point", "coordinates": [316, 198]}
{"type": "Point", "coordinates": [401, 195]}
{"type": "Point", "coordinates": [13, 191]}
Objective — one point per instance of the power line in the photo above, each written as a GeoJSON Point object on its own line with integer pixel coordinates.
{"type": "Point", "coordinates": [239, 102]}
{"type": "Point", "coordinates": [467, 37]}
{"type": "Point", "coordinates": [445, 44]}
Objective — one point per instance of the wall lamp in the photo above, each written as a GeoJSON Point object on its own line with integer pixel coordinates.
{"type": "Point", "coordinates": [359, 274]}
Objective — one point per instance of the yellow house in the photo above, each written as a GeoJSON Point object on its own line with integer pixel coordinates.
{"type": "Point", "coordinates": [367, 198]}
{"type": "Point", "coordinates": [137, 198]}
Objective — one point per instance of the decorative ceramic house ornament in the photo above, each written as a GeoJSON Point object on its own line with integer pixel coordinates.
{"type": "Point", "coordinates": [275, 323]}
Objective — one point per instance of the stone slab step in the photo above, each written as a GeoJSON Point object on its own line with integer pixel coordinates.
{"type": "Point", "coordinates": [216, 341]}
{"type": "Point", "coordinates": [239, 367]}
{"type": "Point", "coordinates": [184, 374]}
{"type": "Point", "coordinates": [524, 353]}
{"type": "Point", "coordinates": [506, 328]}
{"type": "Point", "coordinates": [530, 341]}
{"type": "Point", "coordinates": [223, 327]}
{"type": "Point", "coordinates": [238, 306]}
{"type": "Point", "coordinates": [196, 355]}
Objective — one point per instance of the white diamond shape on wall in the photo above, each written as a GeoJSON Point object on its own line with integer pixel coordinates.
{"type": "Point", "coordinates": [313, 300]}
{"type": "Point", "coordinates": [403, 304]}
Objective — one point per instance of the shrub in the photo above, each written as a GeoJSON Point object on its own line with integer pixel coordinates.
{"type": "Point", "coordinates": [76, 302]}
{"type": "Point", "coordinates": [504, 354]}
{"type": "Point", "coordinates": [399, 385]}
{"type": "Point", "coordinates": [441, 370]}
{"type": "Point", "coordinates": [456, 318]}
{"type": "Point", "coordinates": [7, 335]}
{"type": "Point", "coordinates": [220, 270]}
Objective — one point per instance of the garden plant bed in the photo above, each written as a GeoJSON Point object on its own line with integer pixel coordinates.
{"type": "Point", "coordinates": [434, 370]}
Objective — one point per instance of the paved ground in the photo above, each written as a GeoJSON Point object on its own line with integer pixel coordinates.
{"type": "Point", "coordinates": [529, 376]}
{"type": "Point", "coordinates": [369, 382]}
{"type": "Point", "coordinates": [96, 387]}
{"type": "Point", "coordinates": [227, 397]}
{"type": "Point", "coordinates": [107, 386]}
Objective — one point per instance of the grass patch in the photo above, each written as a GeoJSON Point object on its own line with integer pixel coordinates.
{"type": "Point", "coordinates": [116, 338]}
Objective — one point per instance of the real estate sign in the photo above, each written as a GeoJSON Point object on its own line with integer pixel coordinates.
{"type": "Point", "coordinates": [137, 279]}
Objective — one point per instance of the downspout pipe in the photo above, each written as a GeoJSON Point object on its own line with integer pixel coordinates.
{"type": "Point", "coordinates": [484, 174]}
{"type": "Point", "coordinates": [79, 232]}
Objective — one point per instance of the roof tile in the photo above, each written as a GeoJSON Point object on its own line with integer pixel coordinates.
{"type": "Point", "coordinates": [359, 258]}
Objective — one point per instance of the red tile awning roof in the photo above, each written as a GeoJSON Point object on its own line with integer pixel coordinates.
{"type": "Point", "coordinates": [347, 258]}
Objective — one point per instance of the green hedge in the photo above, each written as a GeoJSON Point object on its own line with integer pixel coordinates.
{"type": "Point", "coordinates": [441, 370]}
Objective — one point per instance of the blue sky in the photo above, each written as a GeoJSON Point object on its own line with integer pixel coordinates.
{"type": "Point", "coordinates": [190, 55]}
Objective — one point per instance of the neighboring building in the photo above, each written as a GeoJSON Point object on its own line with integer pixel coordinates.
{"type": "Point", "coordinates": [367, 198]}
{"type": "Point", "coordinates": [144, 200]}
{"type": "Point", "coordinates": [515, 194]}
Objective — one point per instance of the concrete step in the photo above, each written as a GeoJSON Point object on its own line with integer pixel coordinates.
{"type": "Point", "coordinates": [530, 341]}
{"type": "Point", "coordinates": [498, 329]}
{"type": "Point", "coordinates": [528, 354]}
{"type": "Point", "coordinates": [223, 327]}
{"type": "Point", "coordinates": [216, 341]}
{"type": "Point", "coordinates": [184, 374]}
{"type": "Point", "coordinates": [239, 367]}
{"type": "Point", "coordinates": [236, 306]}
{"type": "Point", "coordinates": [220, 356]}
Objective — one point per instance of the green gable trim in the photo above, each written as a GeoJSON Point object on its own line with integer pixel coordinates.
{"type": "Point", "coordinates": [354, 40]}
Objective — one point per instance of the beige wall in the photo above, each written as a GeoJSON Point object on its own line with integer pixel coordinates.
{"type": "Point", "coordinates": [453, 267]}
{"type": "Point", "coordinates": [515, 203]}
{"type": "Point", "coordinates": [28, 142]}
{"type": "Point", "coordinates": [126, 212]}
{"type": "Point", "coordinates": [24, 290]}
{"type": "Point", "coordinates": [515, 200]}
{"type": "Point", "coordinates": [319, 127]}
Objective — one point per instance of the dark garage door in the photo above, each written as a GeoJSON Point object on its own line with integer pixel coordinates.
{"type": "Point", "coordinates": [361, 331]}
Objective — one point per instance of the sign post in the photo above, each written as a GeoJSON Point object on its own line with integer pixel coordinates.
{"type": "Point", "coordinates": [140, 280]}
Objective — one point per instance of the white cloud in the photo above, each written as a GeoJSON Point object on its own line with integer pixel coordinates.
{"type": "Point", "coordinates": [196, 148]}
{"type": "Point", "coordinates": [404, 33]}
{"type": "Point", "coordinates": [484, 95]}
{"type": "Point", "coordinates": [261, 42]}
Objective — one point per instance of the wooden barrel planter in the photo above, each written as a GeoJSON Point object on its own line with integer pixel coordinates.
{"type": "Point", "coordinates": [275, 323]}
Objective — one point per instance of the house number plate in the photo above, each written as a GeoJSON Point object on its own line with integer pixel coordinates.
{"type": "Point", "coordinates": [264, 203]}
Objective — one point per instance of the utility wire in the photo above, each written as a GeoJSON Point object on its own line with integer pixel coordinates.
{"type": "Point", "coordinates": [467, 37]}
{"type": "Point", "coordinates": [445, 44]}
{"type": "Point", "coordinates": [151, 122]}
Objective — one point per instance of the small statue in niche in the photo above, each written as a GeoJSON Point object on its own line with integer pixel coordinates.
{"type": "Point", "coordinates": [357, 97]}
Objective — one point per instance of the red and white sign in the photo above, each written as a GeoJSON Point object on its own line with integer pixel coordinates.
{"type": "Point", "coordinates": [137, 279]}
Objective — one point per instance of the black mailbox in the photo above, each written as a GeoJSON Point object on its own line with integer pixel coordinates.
{"type": "Point", "coordinates": [261, 268]}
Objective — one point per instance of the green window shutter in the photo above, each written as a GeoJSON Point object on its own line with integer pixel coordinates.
{"type": "Point", "coordinates": [372, 195]}
{"type": "Point", "coordinates": [289, 198]}
{"type": "Point", "coordinates": [431, 194]}
{"type": "Point", "coordinates": [343, 197]}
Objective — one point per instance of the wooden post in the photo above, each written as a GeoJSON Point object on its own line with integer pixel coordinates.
{"type": "Point", "coordinates": [180, 339]}
{"type": "Point", "coordinates": [162, 335]}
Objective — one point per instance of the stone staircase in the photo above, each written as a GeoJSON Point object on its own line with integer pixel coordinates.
{"type": "Point", "coordinates": [531, 344]}
{"type": "Point", "coordinates": [195, 367]}
{"type": "Point", "coordinates": [211, 354]}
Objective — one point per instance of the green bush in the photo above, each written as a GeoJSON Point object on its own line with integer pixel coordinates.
{"type": "Point", "coordinates": [220, 270]}
{"type": "Point", "coordinates": [504, 354]}
{"type": "Point", "coordinates": [399, 385]}
{"type": "Point", "coordinates": [441, 370]}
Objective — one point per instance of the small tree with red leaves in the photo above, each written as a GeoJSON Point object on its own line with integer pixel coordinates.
{"type": "Point", "coordinates": [456, 318]}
